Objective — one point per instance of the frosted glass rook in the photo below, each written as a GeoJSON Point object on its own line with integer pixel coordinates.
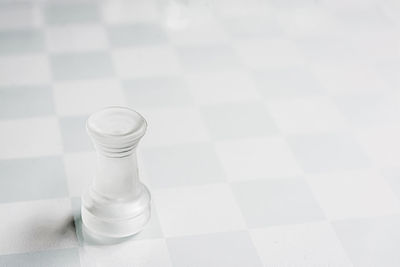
{"type": "Point", "coordinates": [117, 204]}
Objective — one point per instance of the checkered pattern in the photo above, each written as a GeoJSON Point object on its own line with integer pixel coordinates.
{"type": "Point", "coordinates": [273, 134]}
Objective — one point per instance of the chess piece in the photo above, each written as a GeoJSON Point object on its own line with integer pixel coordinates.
{"type": "Point", "coordinates": [117, 204]}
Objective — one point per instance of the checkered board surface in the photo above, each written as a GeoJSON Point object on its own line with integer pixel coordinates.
{"type": "Point", "coordinates": [273, 139]}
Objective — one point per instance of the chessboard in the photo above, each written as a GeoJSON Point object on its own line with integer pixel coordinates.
{"type": "Point", "coordinates": [273, 129]}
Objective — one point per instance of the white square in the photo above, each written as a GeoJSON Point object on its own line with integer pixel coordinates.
{"type": "Point", "coordinates": [174, 126]}
{"type": "Point", "coordinates": [360, 16]}
{"type": "Point", "coordinates": [115, 12]}
{"type": "Point", "coordinates": [80, 169]}
{"type": "Point", "coordinates": [376, 110]}
{"type": "Point", "coordinates": [388, 70]}
{"type": "Point", "coordinates": [197, 210]}
{"type": "Point", "coordinates": [382, 144]}
{"type": "Point", "coordinates": [349, 77]}
{"type": "Point", "coordinates": [76, 38]}
{"type": "Point", "coordinates": [36, 225]}
{"type": "Point", "coordinates": [143, 253]}
{"type": "Point", "coordinates": [30, 138]}
{"type": "Point", "coordinates": [306, 115]}
{"type": "Point", "coordinates": [257, 158]}
{"type": "Point", "coordinates": [226, 249]}
{"type": "Point", "coordinates": [26, 69]}
{"type": "Point", "coordinates": [237, 8]}
{"type": "Point", "coordinates": [146, 62]}
{"type": "Point", "coordinates": [84, 97]}
{"type": "Point", "coordinates": [289, 4]}
{"type": "Point", "coordinates": [353, 194]}
{"type": "Point", "coordinates": [287, 83]}
{"type": "Point", "coordinates": [380, 46]}
{"type": "Point", "coordinates": [310, 244]}
{"type": "Point", "coordinates": [222, 87]}
{"type": "Point", "coordinates": [392, 10]}
{"type": "Point", "coordinates": [269, 54]}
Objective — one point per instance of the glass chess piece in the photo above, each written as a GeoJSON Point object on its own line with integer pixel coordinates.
{"type": "Point", "coordinates": [117, 204]}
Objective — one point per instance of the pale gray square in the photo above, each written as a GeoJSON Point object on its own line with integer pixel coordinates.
{"type": "Point", "coordinates": [363, 109]}
{"type": "Point", "coordinates": [328, 152]}
{"type": "Point", "coordinates": [320, 50]}
{"type": "Point", "coordinates": [291, 4]}
{"type": "Point", "coordinates": [231, 249]}
{"type": "Point", "coordinates": [188, 164]}
{"type": "Point", "coordinates": [21, 41]}
{"type": "Point", "coordinates": [371, 241]}
{"type": "Point", "coordinates": [292, 82]}
{"type": "Point", "coordinates": [50, 258]}
{"type": "Point", "coordinates": [389, 70]}
{"type": "Point", "coordinates": [64, 12]}
{"type": "Point", "coordinates": [25, 101]}
{"type": "Point", "coordinates": [276, 202]}
{"type": "Point", "coordinates": [238, 120]}
{"type": "Point", "coordinates": [136, 34]}
{"type": "Point", "coordinates": [76, 66]}
{"type": "Point", "coordinates": [74, 135]}
{"type": "Point", "coordinates": [253, 27]}
{"type": "Point", "coordinates": [167, 91]}
{"type": "Point", "coordinates": [208, 58]}
{"type": "Point", "coordinates": [153, 228]}
{"type": "Point", "coordinates": [32, 179]}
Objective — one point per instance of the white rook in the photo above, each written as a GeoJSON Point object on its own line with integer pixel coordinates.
{"type": "Point", "coordinates": [117, 204]}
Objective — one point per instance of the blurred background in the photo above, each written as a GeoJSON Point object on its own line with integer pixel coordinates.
{"type": "Point", "coordinates": [273, 135]}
